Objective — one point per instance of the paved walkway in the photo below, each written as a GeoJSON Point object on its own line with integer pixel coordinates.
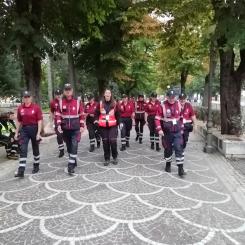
{"type": "Point", "coordinates": [135, 202]}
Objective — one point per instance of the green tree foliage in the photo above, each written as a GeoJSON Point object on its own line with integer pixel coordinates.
{"type": "Point", "coordinates": [10, 75]}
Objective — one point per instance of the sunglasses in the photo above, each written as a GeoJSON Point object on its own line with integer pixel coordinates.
{"type": "Point", "coordinates": [27, 96]}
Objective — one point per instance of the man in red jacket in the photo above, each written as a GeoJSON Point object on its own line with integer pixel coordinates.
{"type": "Point", "coordinates": [151, 109]}
{"type": "Point", "coordinates": [188, 118]}
{"type": "Point", "coordinates": [169, 126]}
{"type": "Point", "coordinates": [93, 129]}
{"type": "Point", "coordinates": [126, 110]}
{"type": "Point", "coordinates": [140, 117]}
{"type": "Point", "coordinates": [54, 106]}
{"type": "Point", "coordinates": [70, 121]}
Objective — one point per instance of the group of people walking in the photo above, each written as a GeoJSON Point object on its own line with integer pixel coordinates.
{"type": "Point", "coordinates": [173, 120]}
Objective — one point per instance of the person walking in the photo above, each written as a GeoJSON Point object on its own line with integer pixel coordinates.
{"type": "Point", "coordinates": [126, 110]}
{"type": "Point", "coordinates": [70, 121]}
{"type": "Point", "coordinates": [151, 109]}
{"type": "Point", "coordinates": [188, 119]}
{"type": "Point", "coordinates": [107, 118]}
{"type": "Point", "coordinates": [54, 107]}
{"type": "Point", "coordinates": [29, 125]}
{"type": "Point", "coordinates": [169, 126]}
{"type": "Point", "coordinates": [93, 129]}
{"type": "Point", "coordinates": [140, 117]}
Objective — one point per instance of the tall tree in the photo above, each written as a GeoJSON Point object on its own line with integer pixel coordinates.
{"type": "Point", "coordinates": [230, 22]}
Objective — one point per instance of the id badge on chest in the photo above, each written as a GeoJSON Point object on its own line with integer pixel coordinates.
{"type": "Point", "coordinates": [174, 122]}
{"type": "Point", "coordinates": [107, 117]}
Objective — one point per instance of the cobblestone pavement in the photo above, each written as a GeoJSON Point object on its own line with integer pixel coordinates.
{"type": "Point", "coordinates": [134, 202]}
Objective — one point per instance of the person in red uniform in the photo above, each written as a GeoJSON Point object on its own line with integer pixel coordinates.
{"type": "Point", "coordinates": [188, 118]}
{"type": "Point", "coordinates": [126, 110]}
{"type": "Point", "coordinates": [169, 126]}
{"type": "Point", "coordinates": [54, 106]}
{"type": "Point", "coordinates": [29, 125]}
{"type": "Point", "coordinates": [151, 109]}
{"type": "Point", "coordinates": [93, 131]}
{"type": "Point", "coordinates": [140, 117]}
{"type": "Point", "coordinates": [107, 117]}
{"type": "Point", "coordinates": [70, 121]}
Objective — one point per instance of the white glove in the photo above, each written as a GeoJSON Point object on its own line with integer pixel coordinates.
{"type": "Point", "coordinates": [121, 126]}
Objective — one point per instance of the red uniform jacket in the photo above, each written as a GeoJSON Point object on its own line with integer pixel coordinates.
{"type": "Point", "coordinates": [168, 117]}
{"type": "Point", "coordinates": [90, 111]}
{"type": "Point", "coordinates": [126, 110]}
{"type": "Point", "coordinates": [54, 107]}
{"type": "Point", "coordinates": [29, 115]}
{"type": "Point", "coordinates": [140, 110]}
{"type": "Point", "coordinates": [187, 113]}
{"type": "Point", "coordinates": [70, 114]}
{"type": "Point", "coordinates": [152, 109]}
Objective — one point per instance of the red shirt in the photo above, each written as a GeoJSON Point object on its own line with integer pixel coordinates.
{"type": "Point", "coordinates": [29, 115]}
{"type": "Point", "coordinates": [90, 109]}
{"type": "Point", "coordinates": [152, 109]}
{"type": "Point", "coordinates": [187, 111]}
{"type": "Point", "coordinates": [54, 105]}
{"type": "Point", "coordinates": [126, 110]}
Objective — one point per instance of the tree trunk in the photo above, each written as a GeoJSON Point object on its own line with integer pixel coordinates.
{"type": "Point", "coordinates": [183, 78]}
{"type": "Point", "coordinates": [71, 67]}
{"type": "Point", "coordinates": [102, 86]}
{"type": "Point", "coordinates": [205, 93]}
{"type": "Point", "coordinates": [31, 62]}
{"type": "Point", "coordinates": [49, 75]}
{"type": "Point", "coordinates": [230, 93]}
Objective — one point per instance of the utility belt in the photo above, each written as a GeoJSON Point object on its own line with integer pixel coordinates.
{"type": "Point", "coordinates": [172, 126]}
{"type": "Point", "coordinates": [29, 125]}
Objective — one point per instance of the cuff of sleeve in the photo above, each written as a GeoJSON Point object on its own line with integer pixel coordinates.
{"type": "Point", "coordinates": [158, 128]}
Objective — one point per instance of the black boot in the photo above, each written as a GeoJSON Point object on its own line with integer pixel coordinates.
{"type": "Point", "coordinates": [181, 171]}
{"type": "Point", "coordinates": [127, 143]}
{"type": "Point", "coordinates": [98, 144]}
{"type": "Point", "coordinates": [106, 163]}
{"type": "Point", "coordinates": [35, 168]}
{"type": "Point", "coordinates": [152, 146]}
{"type": "Point", "coordinates": [123, 148]}
{"type": "Point", "coordinates": [62, 153]}
{"type": "Point", "coordinates": [157, 147]}
{"type": "Point", "coordinates": [114, 161]}
{"type": "Point", "coordinates": [140, 140]}
{"type": "Point", "coordinates": [91, 149]}
{"type": "Point", "coordinates": [168, 167]}
{"type": "Point", "coordinates": [71, 168]}
{"type": "Point", "coordinates": [137, 137]}
{"type": "Point", "coordinates": [20, 173]}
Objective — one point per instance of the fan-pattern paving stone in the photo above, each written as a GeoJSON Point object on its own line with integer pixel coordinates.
{"type": "Point", "coordinates": [134, 202]}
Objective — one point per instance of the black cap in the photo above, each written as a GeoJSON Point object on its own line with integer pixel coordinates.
{"type": "Point", "coordinates": [171, 92]}
{"type": "Point", "coordinates": [67, 86]}
{"type": "Point", "coordinates": [26, 94]}
{"type": "Point", "coordinates": [58, 92]}
{"type": "Point", "coordinates": [153, 95]}
{"type": "Point", "coordinates": [182, 96]}
{"type": "Point", "coordinates": [90, 96]}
